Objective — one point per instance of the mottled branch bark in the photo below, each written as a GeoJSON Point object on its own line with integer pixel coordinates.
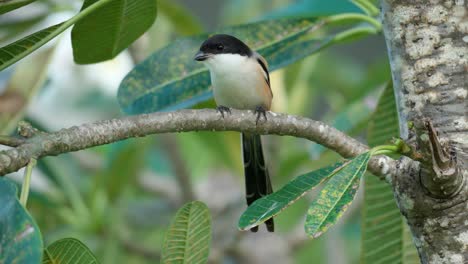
{"type": "Point", "coordinates": [428, 50]}
{"type": "Point", "coordinates": [108, 131]}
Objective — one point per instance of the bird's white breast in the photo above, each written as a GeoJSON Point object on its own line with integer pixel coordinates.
{"type": "Point", "coordinates": [237, 81]}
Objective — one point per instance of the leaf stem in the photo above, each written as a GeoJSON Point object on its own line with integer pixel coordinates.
{"type": "Point", "coordinates": [354, 16]}
{"type": "Point", "coordinates": [384, 149]}
{"type": "Point", "coordinates": [26, 182]}
{"type": "Point", "coordinates": [352, 32]}
{"type": "Point", "coordinates": [367, 7]}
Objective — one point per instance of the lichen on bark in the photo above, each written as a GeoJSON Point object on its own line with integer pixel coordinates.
{"type": "Point", "coordinates": [428, 53]}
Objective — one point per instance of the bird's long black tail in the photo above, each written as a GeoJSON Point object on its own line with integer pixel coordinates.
{"type": "Point", "coordinates": [257, 180]}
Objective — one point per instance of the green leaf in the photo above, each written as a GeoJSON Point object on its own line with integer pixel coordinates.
{"type": "Point", "coordinates": [335, 197]}
{"type": "Point", "coordinates": [384, 124]}
{"type": "Point", "coordinates": [315, 8]}
{"type": "Point", "coordinates": [21, 48]}
{"type": "Point", "coordinates": [7, 6]}
{"type": "Point", "coordinates": [385, 235]}
{"type": "Point", "coordinates": [181, 18]}
{"type": "Point", "coordinates": [12, 29]}
{"type": "Point", "coordinates": [21, 240]}
{"type": "Point", "coordinates": [70, 251]}
{"type": "Point", "coordinates": [110, 29]}
{"type": "Point", "coordinates": [189, 236]}
{"type": "Point", "coordinates": [171, 79]}
{"type": "Point", "coordinates": [271, 205]}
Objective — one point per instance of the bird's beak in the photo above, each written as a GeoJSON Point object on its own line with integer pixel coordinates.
{"type": "Point", "coordinates": [201, 56]}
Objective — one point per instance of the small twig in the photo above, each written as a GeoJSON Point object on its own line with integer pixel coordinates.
{"type": "Point", "coordinates": [26, 182]}
{"type": "Point", "coordinates": [11, 141]}
{"type": "Point", "coordinates": [26, 130]}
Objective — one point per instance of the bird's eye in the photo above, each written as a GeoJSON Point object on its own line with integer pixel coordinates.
{"type": "Point", "coordinates": [220, 47]}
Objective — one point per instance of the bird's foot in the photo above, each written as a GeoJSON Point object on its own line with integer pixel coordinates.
{"type": "Point", "coordinates": [223, 109]}
{"type": "Point", "coordinates": [260, 111]}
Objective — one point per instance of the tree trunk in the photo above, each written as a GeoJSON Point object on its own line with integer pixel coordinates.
{"type": "Point", "coordinates": [428, 48]}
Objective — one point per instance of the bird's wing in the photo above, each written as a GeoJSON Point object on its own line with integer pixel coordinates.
{"type": "Point", "coordinates": [264, 68]}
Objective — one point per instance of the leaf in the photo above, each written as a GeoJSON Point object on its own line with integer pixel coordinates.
{"type": "Point", "coordinates": [385, 235]}
{"type": "Point", "coordinates": [271, 205]}
{"type": "Point", "coordinates": [9, 5]}
{"type": "Point", "coordinates": [171, 79]}
{"type": "Point", "coordinates": [181, 18]}
{"type": "Point", "coordinates": [12, 29]}
{"type": "Point", "coordinates": [69, 251]}
{"type": "Point", "coordinates": [384, 123]}
{"type": "Point", "coordinates": [21, 48]}
{"type": "Point", "coordinates": [21, 240]}
{"type": "Point", "coordinates": [28, 78]}
{"type": "Point", "coordinates": [315, 8]}
{"type": "Point", "coordinates": [335, 197]}
{"type": "Point", "coordinates": [189, 236]}
{"type": "Point", "coordinates": [110, 29]}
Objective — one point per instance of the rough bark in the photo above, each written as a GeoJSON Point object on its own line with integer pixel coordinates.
{"type": "Point", "coordinates": [428, 49]}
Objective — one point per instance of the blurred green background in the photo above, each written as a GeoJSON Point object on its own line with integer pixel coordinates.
{"type": "Point", "coordinates": [120, 198]}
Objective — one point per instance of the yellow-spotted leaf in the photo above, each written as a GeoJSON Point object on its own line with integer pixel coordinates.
{"type": "Point", "coordinates": [111, 28]}
{"type": "Point", "coordinates": [189, 236]}
{"type": "Point", "coordinates": [271, 205]}
{"type": "Point", "coordinates": [335, 197]}
{"type": "Point", "coordinates": [69, 251]}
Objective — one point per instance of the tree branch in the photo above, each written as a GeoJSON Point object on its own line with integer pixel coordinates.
{"type": "Point", "coordinates": [108, 131]}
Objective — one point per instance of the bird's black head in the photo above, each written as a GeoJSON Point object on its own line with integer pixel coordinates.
{"type": "Point", "coordinates": [222, 44]}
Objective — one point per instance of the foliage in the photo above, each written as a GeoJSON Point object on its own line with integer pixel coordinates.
{"type": "Point", "coordinates": [384, 235]}
{"type": "Point", "coordinates": [113, 27]}
{"type": "Point", "coordinates": [189, 236]}
{"type": "Point", "coordinates": [326, 209]}
{"type": "Point", "coordinates": [306, 8]}
{"type": "Point", "coordinates": [7, 6]}
{"type": "Point", "coordinates": [69, 251]}
{"type": "Point", "coordinates": [263, 209]}
{"type": "Point", "coordinates": [23, 47]}
{"type": "Point", "coordinates": [21, 239]}
{"type": "Point", "coordinates": [336, 196]}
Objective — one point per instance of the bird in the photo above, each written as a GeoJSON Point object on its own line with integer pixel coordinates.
{"type": "Point", "coordinates": [240, 80]}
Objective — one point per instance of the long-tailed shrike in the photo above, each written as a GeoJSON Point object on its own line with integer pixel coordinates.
{"type": "Point", "coordinates": [240, 80]}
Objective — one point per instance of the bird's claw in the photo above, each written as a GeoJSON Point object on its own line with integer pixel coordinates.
{"type": "Point", "coordinates": [223, 109]}
{"type": "Point", "coordinates": [259, 111]}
